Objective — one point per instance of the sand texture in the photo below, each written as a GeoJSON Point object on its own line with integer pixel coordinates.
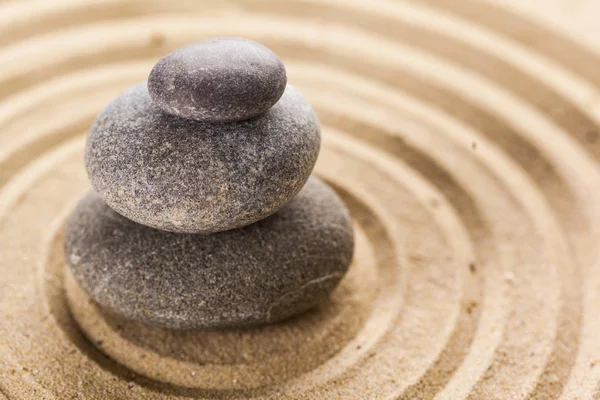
{"type": "Point", "coordinates": [464, 136]}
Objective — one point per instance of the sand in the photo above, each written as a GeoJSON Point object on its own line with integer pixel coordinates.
{"type": "Point", "coordinates": [463, 135]}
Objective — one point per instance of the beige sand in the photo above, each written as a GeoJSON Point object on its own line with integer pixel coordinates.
{"type": "Point", "coordinates": [464, 136]}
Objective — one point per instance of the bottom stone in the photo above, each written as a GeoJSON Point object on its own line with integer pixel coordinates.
{"type": "Point", "coordinates": [220, 363]}
{"type": "Point", "coordinates": [266, 272]}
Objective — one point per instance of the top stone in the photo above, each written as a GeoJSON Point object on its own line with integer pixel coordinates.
{"type": "Point", "coordinates": [218, 80]}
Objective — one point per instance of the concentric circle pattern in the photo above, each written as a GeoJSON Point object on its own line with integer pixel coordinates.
{"type": "Point", "coordinates": [463, 135]}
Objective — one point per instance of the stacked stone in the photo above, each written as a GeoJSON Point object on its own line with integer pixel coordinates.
{"type": "Point", "coordinates": [204, 213]}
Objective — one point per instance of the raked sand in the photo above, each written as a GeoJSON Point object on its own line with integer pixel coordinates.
{"type": "Point", "coordinates": [464, 135]}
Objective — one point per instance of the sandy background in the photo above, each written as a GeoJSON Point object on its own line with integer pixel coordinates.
{"type": "Point", "coordinates": [464, 135]}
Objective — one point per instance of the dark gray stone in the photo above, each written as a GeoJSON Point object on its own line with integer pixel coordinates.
{"type": "Point", "coordinates": [221, 79]}
{"type": "Point", "coordinates": [265, 272]}
{"type": "Point", "coordinates": [181, 175]}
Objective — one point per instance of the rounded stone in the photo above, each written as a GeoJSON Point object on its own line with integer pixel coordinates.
{"type": "Point", "coordinates": [221, 79]}
{"type": "Point", "coordinates": [265, 272]}
{"type": "Point", "coordinates": [188, 176]}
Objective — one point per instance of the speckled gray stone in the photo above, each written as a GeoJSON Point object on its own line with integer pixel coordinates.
{"type": "Point", "coordinates": [187, 176]}
{"type": "Point", "coordinates": [265, 272]}
{"type": "Point", "coordinates": [221, 79]}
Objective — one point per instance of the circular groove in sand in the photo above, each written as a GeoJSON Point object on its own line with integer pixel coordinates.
{"type": "Point", "coordinates": [559, 181]}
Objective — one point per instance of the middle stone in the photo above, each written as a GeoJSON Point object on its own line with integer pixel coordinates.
{"type": "Point", "coordinates": [188, 176]}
